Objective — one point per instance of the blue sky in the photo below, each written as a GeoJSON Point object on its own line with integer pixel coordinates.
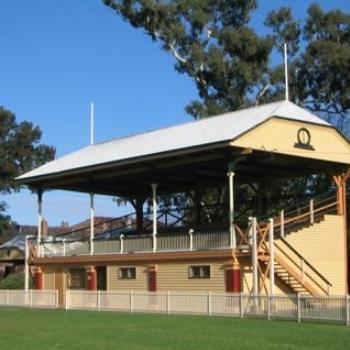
{"type": "Point", "coordinates": [58, 55]}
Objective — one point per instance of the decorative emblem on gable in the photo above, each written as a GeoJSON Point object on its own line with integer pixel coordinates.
{"type": "Point", "coordinates": [304, 139]}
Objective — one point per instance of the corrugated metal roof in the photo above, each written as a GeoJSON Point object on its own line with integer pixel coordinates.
{"type": "Point", "coordinates": [220, 128]}
{"type": "Point", "coordinates": [18, 241]}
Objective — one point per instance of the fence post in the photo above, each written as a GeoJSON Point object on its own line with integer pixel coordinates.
{"type": "Point", "coordinates": [347, 310]}
{"type": "Point", "coordinates": [241, 310]}
{"type": "Point", "coordinates": [31, 297]}
{"type": "Point", "coordinates": [298, 308]}
{"type": "Point", "coordinates": [7, 297]}
{"type": "Point", "coordinates": [312, 214]}
{"type": "Point", "coordinates": [282, 223]}
{"type": "Point", "coordinates": [268, 307]}
{"type": "Point", "coordinates": [168, 302]}
{"type": "Point", "coordinates": [98, 304]}
{"type": "Point", "coordinates": [56, 298]}
{"type": "Point", "coordinates": [67, 299]}
{"type": "Point", "coordinates": [130, 301]}
{"type": "Point", "coordinates": [209, 303]}
{"type": "Point", "coordinates": [190, 232]}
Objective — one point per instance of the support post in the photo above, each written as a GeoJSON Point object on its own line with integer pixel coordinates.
{"type": "Point", "coordinates": [154, 205]}
{"type": "Point", "coordinates": [121, 243]}
{"type": "Point", "coordinates": [92, 223]}
{"type": "Point", "coordinates": [231, 175]}
{"type": "Point", "coordinates": [298, 308]}
{"type": "Point", "coordinates": [26, 265]}
{"type": "Point", "coordinates": [282, 223]}
{"type": "Point", "coordinates": [190, 232]}
{"type": "Point", "coordinates": [312, 213]}
{"type": "Point", "coordinates": [209, 303]}
{"type": "Point", "coordinates": [254, 257]}
{"type": "Point", "coordinates": [340, 181]}
{"type": "Point", "coordinates": [40, 220]}
{"type": "Point", "coordinates": [91, 278]}
{"type": "Point", "coordinates": [39, 278]}
{"type": "Point", "coordinates": [272, 257]}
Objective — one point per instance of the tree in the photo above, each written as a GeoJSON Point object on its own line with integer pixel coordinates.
{"type": "Point", "coordinates": [320, 67]}
{"type": "Point", "coordinates": [214, 44]}
{"type": "Point", "coordinates": [211, 43]}
{"type": "Point", "coordinates": [20, 151]}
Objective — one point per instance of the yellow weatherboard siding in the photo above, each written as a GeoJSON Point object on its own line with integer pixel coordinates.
{"type": "Point", "coordinates": [280, 135]}
{"type": "Point", "coordinates": [49, 279]}
{"type": "Point", "coordinates": [322, 244]}
{"type": "Point", "coordinates": [170, 276]}
{"type": "Point", "coordinates": [176, 277]}
{"type": "Point", "coordinates": [114, 282]}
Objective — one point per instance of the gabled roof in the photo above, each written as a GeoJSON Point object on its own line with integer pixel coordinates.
{"type": "Point", "coordinates": [207, 131]}
{"type": "Point", "coordinates": [17, 242]}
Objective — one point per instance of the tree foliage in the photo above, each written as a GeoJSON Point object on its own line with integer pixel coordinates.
{"type": "Point", "coordinates": [20, 151]}
{"type": "Point", "coordinates": [319, 64]}
{"type": "Point", "coordinates": [214, 43]}
{"type": "Point", "coordinates": [211, 42]}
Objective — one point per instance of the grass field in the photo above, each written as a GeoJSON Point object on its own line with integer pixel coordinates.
{"type": "Point", "coordinates": [58, 329]}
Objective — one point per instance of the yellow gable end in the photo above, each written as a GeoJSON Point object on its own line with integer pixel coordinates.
{"type": "Point", "coordinates": [297, 139]}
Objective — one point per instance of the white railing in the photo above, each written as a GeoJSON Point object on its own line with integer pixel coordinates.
{"type": "Point", "coordinates": [331, 309]}
{"type": "Point", "coordinates": [335, 309]}
{"type": "Point", "coordinates": [29, 298]}
{"type": "Point", "coordinates": [181, 241]}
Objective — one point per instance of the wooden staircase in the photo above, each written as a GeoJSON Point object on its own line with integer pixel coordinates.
{"type": "Point", "coordinates": [292, 277]}
{"type": "Point", "coordinates": [290, 267]}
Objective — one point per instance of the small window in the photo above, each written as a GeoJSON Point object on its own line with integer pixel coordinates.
{"type": "Point", "coordinates": [127, 273]}
{"type": "Point", "coordinates": [199, 271]}
{"type": "Point", "coordinates": [77, 279]}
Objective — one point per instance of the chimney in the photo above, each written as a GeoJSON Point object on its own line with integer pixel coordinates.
{"type": "Point", "coordinates": [44, 228]}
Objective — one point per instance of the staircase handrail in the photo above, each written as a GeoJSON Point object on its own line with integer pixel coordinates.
{"type": "Point", "coordinates": [306, 208]}
{"type": "Point", "coordinates": [307, 263]}
{"type": "Point", "coordinates": [306, 214]}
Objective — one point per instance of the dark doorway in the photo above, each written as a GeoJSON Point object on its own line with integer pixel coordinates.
{"type": "Point", "coordinates": [101, 277]}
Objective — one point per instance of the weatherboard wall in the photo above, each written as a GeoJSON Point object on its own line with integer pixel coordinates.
{"type": "Point", "coordinates": [323, 245]}
{"type": "Point", "coordinates": [281, 135]}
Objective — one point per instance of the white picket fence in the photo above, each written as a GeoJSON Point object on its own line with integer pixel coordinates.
{"type": "Point", "coordinates": [334, 309]}
{"type": "Point", "coordinates": [29, 298]}
{"type": "Point", "coordinates": [330, 309]}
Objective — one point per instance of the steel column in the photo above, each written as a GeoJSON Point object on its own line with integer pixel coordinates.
{"type": "Point", "coordinates": [254, 256]}
{"type": "Point", "coordinates": [231, 175]}
{"type": "Point", "coordinates": [92, 223]}
{"type": "Point", "coordinates": [272, 257]}
{"type": "Point", "coordinates": [40, 220]}
{"type": "Point", "coordinates": [154, 205]}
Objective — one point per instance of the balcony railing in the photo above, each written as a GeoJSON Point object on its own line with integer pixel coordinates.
{"type": "Point", "coordinates": [165, 242]}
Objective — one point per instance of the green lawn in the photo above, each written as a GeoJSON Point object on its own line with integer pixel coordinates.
{"type": "Point", "coordinates": [59, 329]}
